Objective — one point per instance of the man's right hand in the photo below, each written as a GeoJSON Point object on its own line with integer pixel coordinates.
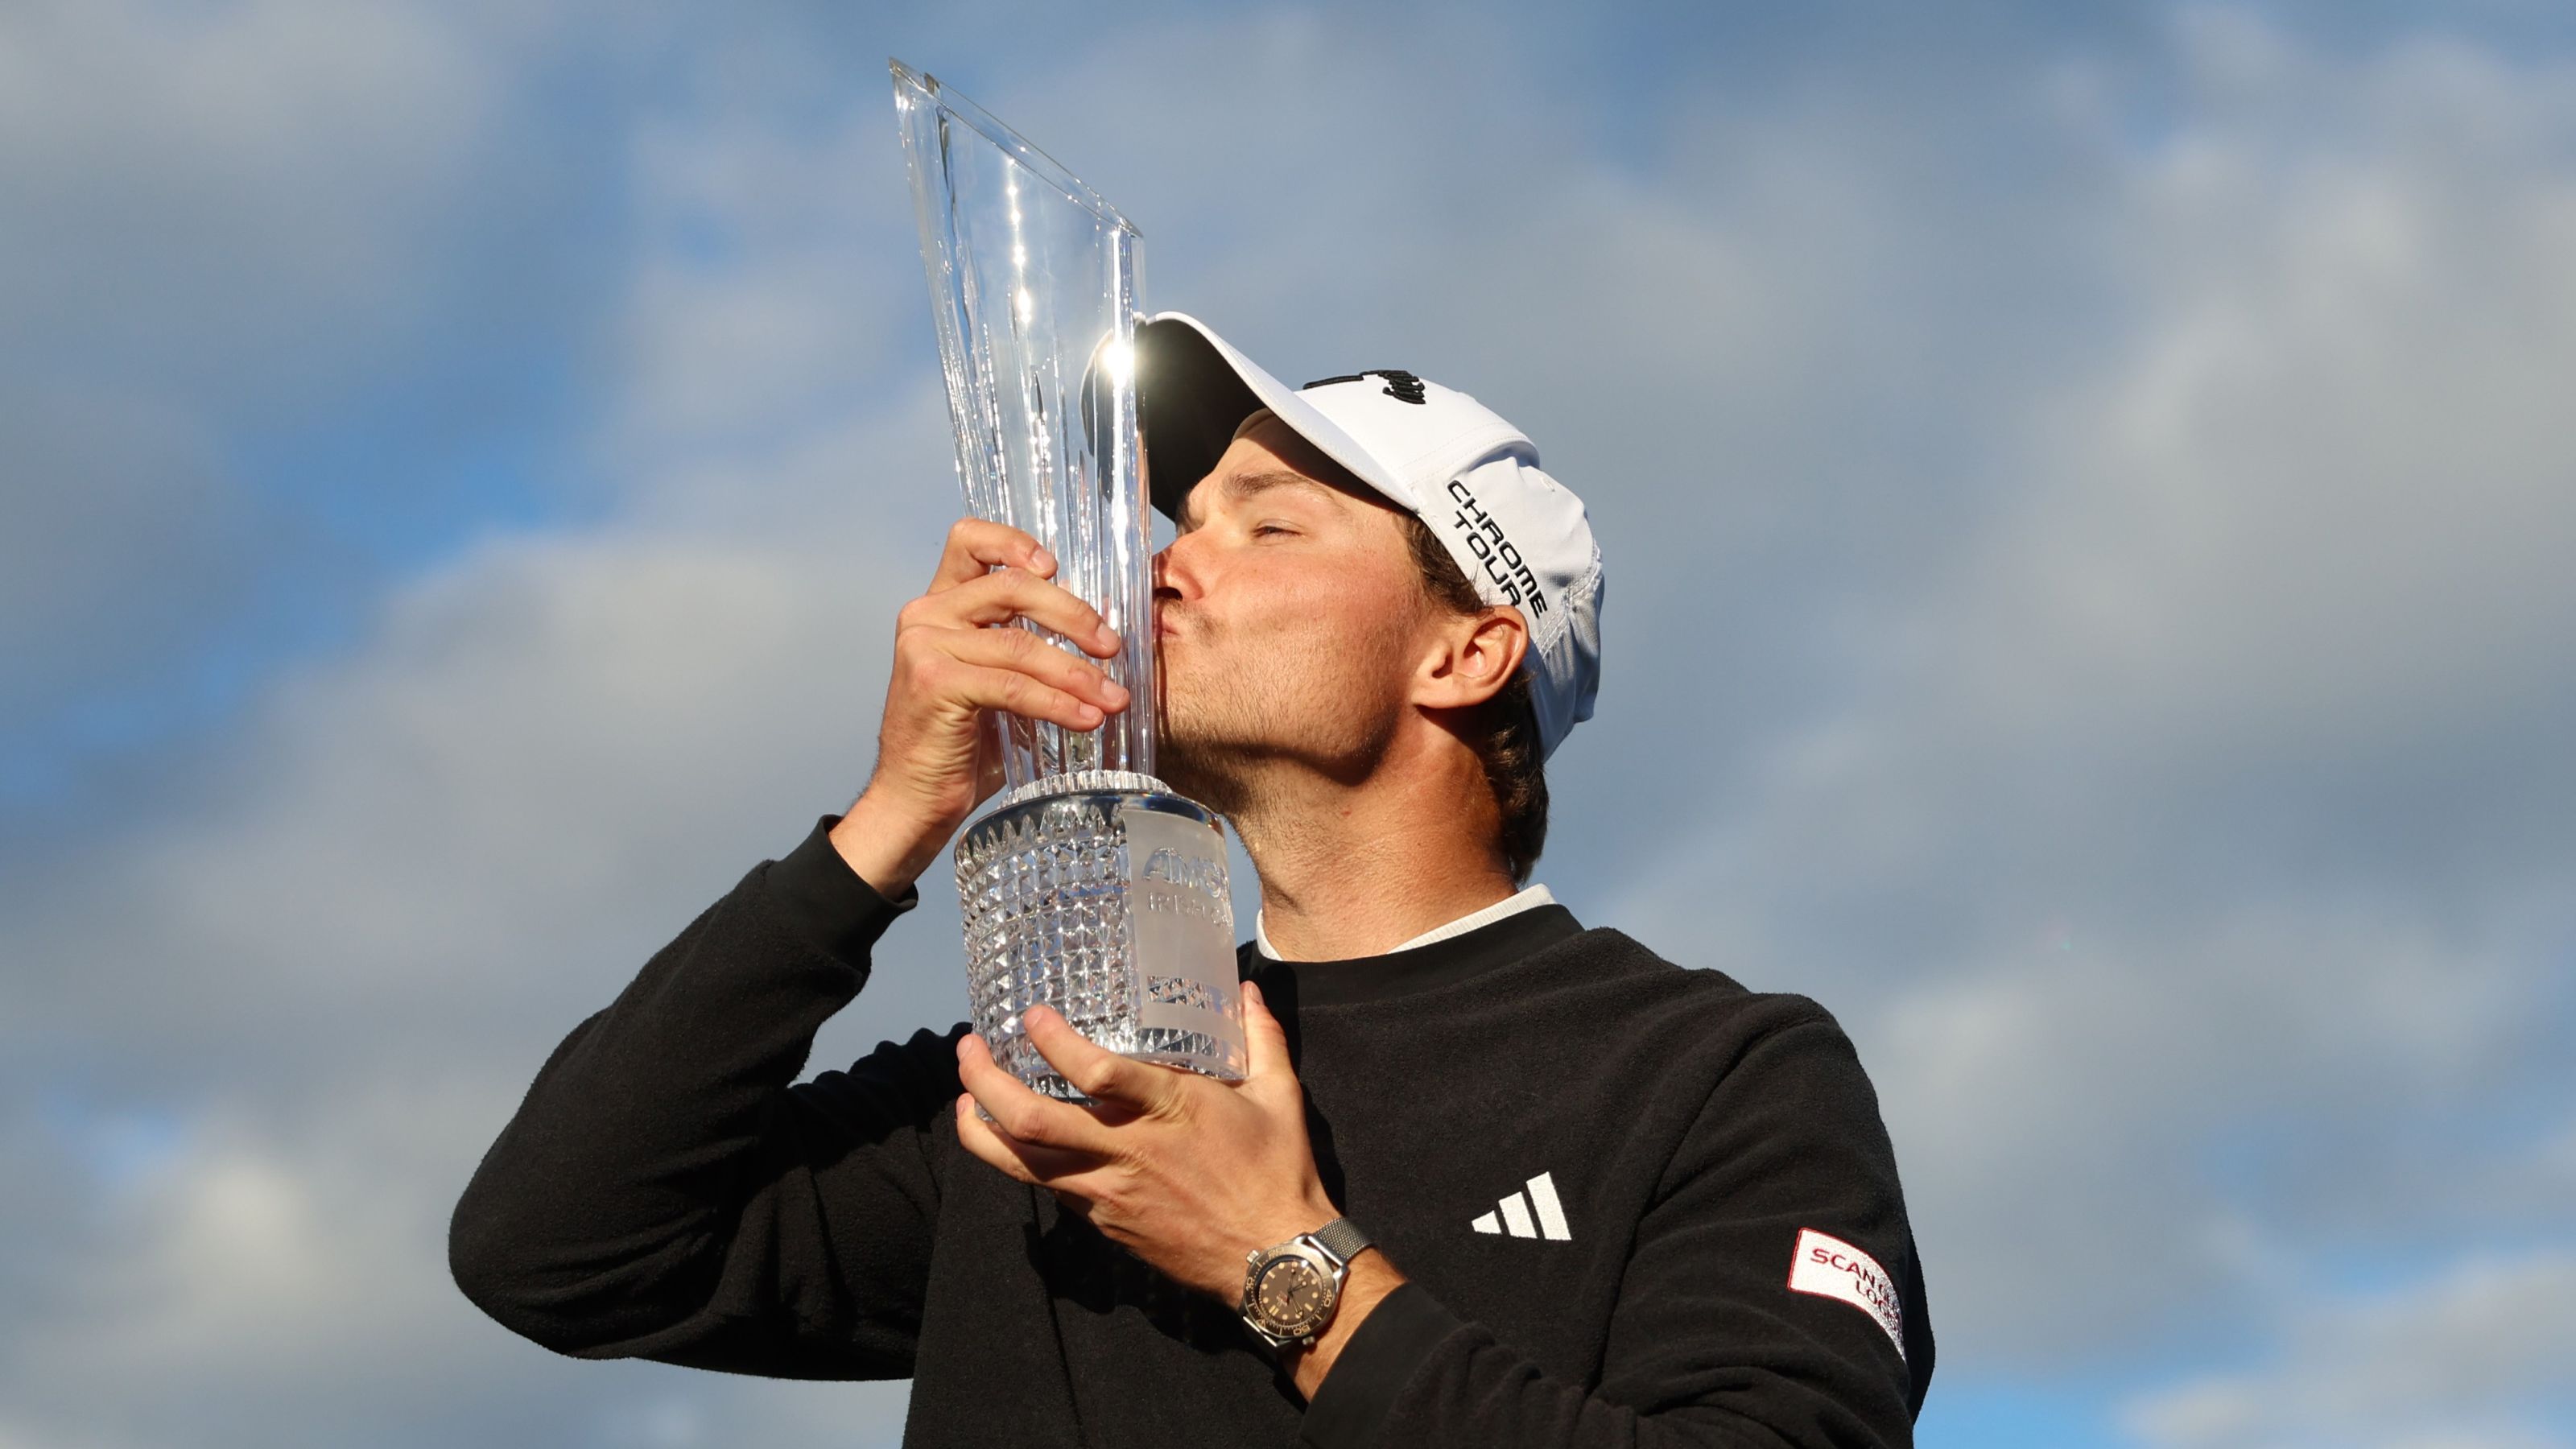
{"type": "Point", "coordinates": [937, 755]}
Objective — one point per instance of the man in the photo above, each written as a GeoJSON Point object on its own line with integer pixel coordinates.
{"type": "Point", "coordinates": [1521, 1183]}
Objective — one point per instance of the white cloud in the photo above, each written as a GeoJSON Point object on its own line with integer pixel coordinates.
{"type": "Point", "coordinates": [233, 228]}
{"type": "Point", "coordinates": [117, 523]}
{"type": "Point", "coordinates": [283, 1277]}
{"type": "Point", "coordinates": [538, 740]}
{"type": "Point", "coordinates": [199, 188]}
{"type": "Point", "coordinates": [2217, 781]}
{"type": "Point", "coordinates": [348, 954]}
{"type": "Point", "coordinates": [2470, 1358]}
{"type": "Point", "coordinates": [2097, 718]}
{"type": "Point", "coordinates": [337, 952]}
{"type": "Point", "coordinates": [773, 288]}
{"type": "Point", "coordinates": [2323, 487]}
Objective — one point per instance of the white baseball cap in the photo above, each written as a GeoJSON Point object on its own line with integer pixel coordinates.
{"type": "Point", "coordinates": [1519, 535]}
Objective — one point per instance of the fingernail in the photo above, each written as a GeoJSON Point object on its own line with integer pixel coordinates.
{"type": "Point", "coordinates": [1087, 714]}
{"type": "Point", "coordinates": [1042, 560]}
{"type": "Point", "coordinates": [1108, 637]}
{"type": "Point", "coordinates": [1116, 692]}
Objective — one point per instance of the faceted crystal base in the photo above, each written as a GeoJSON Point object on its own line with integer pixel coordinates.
{"type": "Point", "coordinates": [1104, 897]}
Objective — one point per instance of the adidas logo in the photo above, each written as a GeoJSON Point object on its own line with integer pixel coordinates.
{"type": "Point", "coordinates": [1513, 1214]}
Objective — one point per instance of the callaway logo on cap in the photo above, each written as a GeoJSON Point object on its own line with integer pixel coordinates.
{"type": "Point", "coordinates": [1519, 535]}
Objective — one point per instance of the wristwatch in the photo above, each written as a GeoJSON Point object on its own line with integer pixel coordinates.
{"type": "Point", "coordinates": [1290, 1291]}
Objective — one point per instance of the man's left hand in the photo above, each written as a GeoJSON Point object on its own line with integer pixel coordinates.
{"type": "Point", "coordinates": [1187, 1172]}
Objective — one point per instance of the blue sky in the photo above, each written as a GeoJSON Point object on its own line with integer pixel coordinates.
{"type": "Point", "coordinates": [2086, 491]}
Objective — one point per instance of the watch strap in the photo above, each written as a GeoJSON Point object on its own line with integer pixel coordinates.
{"type": "Point", "coordinates": [1342, 1238]}
{"type": "Point", "coordinates": [1337, 1242]}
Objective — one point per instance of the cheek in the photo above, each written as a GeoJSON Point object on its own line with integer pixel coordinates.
{"type": "Point", "coordinates": [1356, 631]}
{"type": "Point", "coordinates": [1340, 619]}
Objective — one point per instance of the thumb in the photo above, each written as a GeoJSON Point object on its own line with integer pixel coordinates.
{"type": "Point", "coordinates": [1265, 1040]}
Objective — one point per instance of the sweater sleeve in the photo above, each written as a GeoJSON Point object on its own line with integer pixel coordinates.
{"type": "Point", "coordinates": [1771, 1297]}
{"type": "Point", "coordinates": [666, 1192]}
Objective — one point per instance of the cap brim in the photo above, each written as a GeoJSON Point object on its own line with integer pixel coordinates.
{"type": "Point", "coordinates": [1194, 389]}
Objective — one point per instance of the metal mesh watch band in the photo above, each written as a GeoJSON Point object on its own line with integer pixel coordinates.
{"type": "Point", "coordinates": [1324, 1256]}
{"type": "Point", "coordinates": [1341, 1237]}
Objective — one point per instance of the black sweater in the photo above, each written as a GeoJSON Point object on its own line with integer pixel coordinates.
{"type": "Point", "coordinates": [667, 1192]}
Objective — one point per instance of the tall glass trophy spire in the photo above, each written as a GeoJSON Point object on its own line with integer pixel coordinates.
{"type": "Point", "coordinates": [1090, 886]}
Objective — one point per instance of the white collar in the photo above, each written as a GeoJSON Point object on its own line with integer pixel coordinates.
{"type": "Point", "coordinates": [1529, 899]}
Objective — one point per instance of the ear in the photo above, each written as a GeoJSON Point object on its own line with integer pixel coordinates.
{"type": "Point", "coordinates": [1470, 657]}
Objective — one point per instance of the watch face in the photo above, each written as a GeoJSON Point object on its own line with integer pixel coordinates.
{"type": "Point", "coordinates": [1292, 1295]}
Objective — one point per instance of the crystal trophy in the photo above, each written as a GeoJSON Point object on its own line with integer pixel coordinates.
{"type": "Point", "coordinates": [1089, 886]}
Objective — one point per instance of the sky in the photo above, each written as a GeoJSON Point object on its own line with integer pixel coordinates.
{"type": "Point", "coordinates": [2086, 493]}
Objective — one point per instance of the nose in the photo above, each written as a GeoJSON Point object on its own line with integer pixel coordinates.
{"type": "Point", "coordinates": [1175, 570]}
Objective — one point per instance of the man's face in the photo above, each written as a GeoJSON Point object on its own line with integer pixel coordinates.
{"type": "Point", "coordinates": [1291, 616]}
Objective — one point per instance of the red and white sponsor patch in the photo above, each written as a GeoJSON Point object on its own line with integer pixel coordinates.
{"type": "Point", "coordinates": [1831, 1268]}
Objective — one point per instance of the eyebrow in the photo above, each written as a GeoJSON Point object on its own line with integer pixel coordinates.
{"type": "Point", "coordinates": [1246, 485]}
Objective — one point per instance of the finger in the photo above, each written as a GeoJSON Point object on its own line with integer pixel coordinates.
{"type": "Point", "coordinates": [1021, 1114]}
{"type": "Point", "coordinates": [976, 545]}
{"type": "Point", "coordinates": [1037, 1166]}
{"type": "Point", "coordinates": [929, 673]}
{"type": "Point", "coordinates": [998, 598]}
{"type": "Point", "coordinates": [1020, 650]}
{"type": "Point", "coordinates": [1007, 689]}
{"type": "Point", "coordinates": [1265, 1040]}
{"type": "Point", "coordinates": [1101, 1073]}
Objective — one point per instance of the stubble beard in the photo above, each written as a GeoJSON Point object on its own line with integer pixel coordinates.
{"type": "Point", "coordinates": [1241, 733]}
{"type": "Point", "coordinates": [1205, 752]}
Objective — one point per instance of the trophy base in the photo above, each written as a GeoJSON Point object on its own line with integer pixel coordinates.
{"type": "Point", "coordinates": [1104, 896]}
